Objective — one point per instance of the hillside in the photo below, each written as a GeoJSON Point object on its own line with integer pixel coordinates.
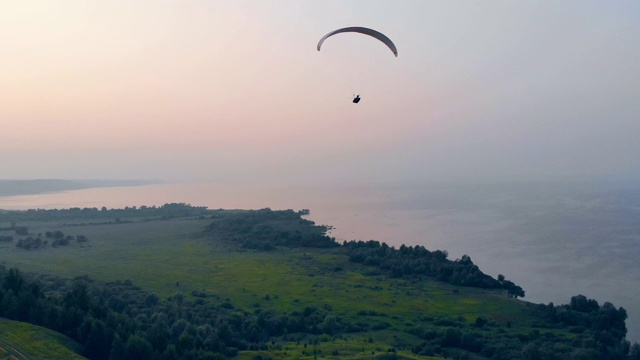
{"type": "Point", "coordinates": [180, 282]}
{"type": "Point", "coordinates": [22, 341]}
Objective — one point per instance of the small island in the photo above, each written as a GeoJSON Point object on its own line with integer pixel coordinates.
{"type": "Point", "coordinates": [185, 282]}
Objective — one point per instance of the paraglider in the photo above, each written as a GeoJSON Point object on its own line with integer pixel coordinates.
{"type": "Point", "coordinates": [363, 30]}
{"type": "Point", "coordinates": [366, 31]}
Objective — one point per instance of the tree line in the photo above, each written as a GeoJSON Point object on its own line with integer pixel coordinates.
{"type": "Point", "coordinates": [121, 321]}
{"type": "Point", "coordinates": [266, 229]}
{"type": "Point", "coordinates": [599, 335]}
{"type": "Point", "coordinates": [53, 238]}
{"type": "Point", "coordinates": [165, 211]}
{"type": "Point", "coordinates": [409, 261]}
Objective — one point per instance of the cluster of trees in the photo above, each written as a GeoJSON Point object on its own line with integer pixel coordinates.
{"type": "Point", "coordinates": [265, 229]}
{"type": "Point", "coordinates": [6, 238]}
{"type": "Point", "coordinates": [61, 239]}
{"type": "Point", "coordinates": [417, 260]}
{"type": "Point", "coordinates": [58, 238]}
{"type": "Point", "coordinates": [459, 343]}
{"type": "Point", "coordinates": [583, 315]}
{"type": "Point", "coordinates": [121, 321]}
{"type": "Point", "coordinates": [21, 230]}
{"type": "Point", "coordinates": [599, 335]}
{"type": "Point", "coordinates": [31, 243]}
{"type": "Point", "coordinates": [169, 210]}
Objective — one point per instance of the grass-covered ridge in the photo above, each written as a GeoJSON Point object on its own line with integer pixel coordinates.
{"type": "Point", "coordinates": [271, 284]}
{"type": "Point", "coordinates": [19, 340]}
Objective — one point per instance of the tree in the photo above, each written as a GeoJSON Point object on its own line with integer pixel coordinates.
{"type": "Point", "coordinates": [634, 353]}
{"type": "Point", "coordinates": [452, 337]}
{"type": "Point", "coordinates": [98, 342]}
{"type": "Point", "coordinates": [9, 305]}
{"type": "Point", "coordinates": [13, 280]}
{"type": "Point", "coordinates": [138, 348]}
{"type": "Point", "coordinates": [170, 353]}
{"type": "Point", "coordinates": [77, 297]}
{"type": "Point", "coordinates": [329, 325]}
{"type": "Point", "coordinates": [117, 348]}
{"type": "Point", "coordinates": [158, 336]}
{"type": "Point", "coordinates": [480, 322]}
{"type": "Point", "coordinates": [21, 230]}
{"type": "Point", "coordinates": [469, 341]}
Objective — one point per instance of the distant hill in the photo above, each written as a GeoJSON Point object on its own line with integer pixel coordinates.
{"type": "Point", "coordinates": [39, 186]}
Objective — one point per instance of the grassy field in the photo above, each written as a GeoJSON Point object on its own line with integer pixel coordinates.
{"type": "Point", "coordinates": [173, 256]}
{"type": "Point", "coordinates": [24, 341]}
{"type": "Point", "coordinates": [354, 349]}
{"type": "Point", "coordinates": [176, 256]}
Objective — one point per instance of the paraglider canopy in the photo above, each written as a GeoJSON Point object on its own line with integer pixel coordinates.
{"type": "Point", "coordinates": [362, 30]}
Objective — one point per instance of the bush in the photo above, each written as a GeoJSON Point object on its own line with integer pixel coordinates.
{"type": "Point", "coordinates": [21, 230]}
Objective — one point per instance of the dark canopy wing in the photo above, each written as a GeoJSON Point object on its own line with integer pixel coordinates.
{"type": "Point", "coordinates": [362, 30]}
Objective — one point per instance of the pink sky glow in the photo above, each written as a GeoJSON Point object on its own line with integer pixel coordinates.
{"type": "Point", "coordinates": [184, 90]}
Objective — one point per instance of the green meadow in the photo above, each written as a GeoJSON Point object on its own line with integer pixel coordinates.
{"type": "Point", "coordinates": [177, 256]}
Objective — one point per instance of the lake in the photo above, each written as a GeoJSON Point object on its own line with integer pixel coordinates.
{"type": "Point", "coordinates": [555, 240]}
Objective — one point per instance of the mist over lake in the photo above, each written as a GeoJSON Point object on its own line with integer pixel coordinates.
{"type": "Point", "coordinates": [556, 240]}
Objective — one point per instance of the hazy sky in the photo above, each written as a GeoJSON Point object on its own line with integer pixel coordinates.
{"type": "Point", "coordinates": [229, 90]}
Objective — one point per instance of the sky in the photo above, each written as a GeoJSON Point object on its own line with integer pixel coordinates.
{"type": "Point", "coordinates": [235, 91]}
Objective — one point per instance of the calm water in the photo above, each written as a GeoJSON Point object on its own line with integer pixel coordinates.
{"type": "Point", "coordinates": [554, 240]}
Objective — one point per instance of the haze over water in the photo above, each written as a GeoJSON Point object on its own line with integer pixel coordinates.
{"type": "Point", "coordinates": [556, 240]}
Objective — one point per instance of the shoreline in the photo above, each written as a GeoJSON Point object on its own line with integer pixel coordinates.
{"type": "Point", "coordinates": [543, 238]}
{"type": "Point", "coordinates": [51, 186]}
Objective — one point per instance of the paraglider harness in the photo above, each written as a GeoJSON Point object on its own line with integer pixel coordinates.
{"type": "Point", "coordinates": [356, 99]}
